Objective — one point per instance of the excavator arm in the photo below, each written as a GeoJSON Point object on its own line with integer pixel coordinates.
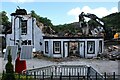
{"type": "Point", "coordinates": [96, 19]}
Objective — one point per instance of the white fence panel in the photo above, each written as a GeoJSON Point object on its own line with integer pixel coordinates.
{"type": "Point", "coordinates": [14, 50]}
{"type": "Point", "coordinates": [26, 52]}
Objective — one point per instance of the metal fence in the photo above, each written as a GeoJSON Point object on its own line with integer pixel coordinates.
{"type": "Point", "coordinates": [62, 77]}
{"type": "Point", "coordinates": [66, 71]}
{"type": "Point", "coordinates": [94, 75]}
{"type": "Point", "coordinates": [58, 69]}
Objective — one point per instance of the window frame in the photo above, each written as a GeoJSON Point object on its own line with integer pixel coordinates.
{"type": "Point", "coordinates": [59, 47]}
{"type": "Point", "coordinates": [23, 28]}
{"type": "Point", "coordinates": [46, 48]}
{"type": "Point", "coordinates": [93, 43]}
{"type": "Point", "coordinates": [100, 47]}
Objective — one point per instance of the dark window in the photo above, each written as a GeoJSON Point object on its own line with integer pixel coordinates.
{"type": "Point", "coordinates": [46, 46]}
{"type": "Point", "coordinates": [91, 47]}
{"type": "Point", "coordinates": [100, 46]}
{"type": "Point", "coordinates": [17, 42]}
{"type": "Point", "coordinates": [56, 47]}
{"type": "Point", "coordinates": [24, 27]}
{"type": "Point", "coordinates": [24, 42]}
{"type": "Point", "coordinates": [29, 42]}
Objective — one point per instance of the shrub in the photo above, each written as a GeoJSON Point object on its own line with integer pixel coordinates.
{"type": "Point", "coordinates": [9, 75]}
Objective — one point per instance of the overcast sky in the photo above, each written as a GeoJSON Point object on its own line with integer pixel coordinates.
{"type": "Point", "coordinates": [62, 12]}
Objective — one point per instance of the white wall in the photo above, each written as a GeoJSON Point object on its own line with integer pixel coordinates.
{"type": "Point", "coordinates": [31, 25]}
{"type": "Point", "coordinates": [38, 38]}
{"type": "Point", "coordinates": [50, 44]}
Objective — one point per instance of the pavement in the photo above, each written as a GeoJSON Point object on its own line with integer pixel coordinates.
{"type": "Point", "coordinates": [101, 66]}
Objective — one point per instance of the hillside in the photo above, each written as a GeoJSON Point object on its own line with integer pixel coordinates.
{"type": "Point", "coordinates": [111, 21]}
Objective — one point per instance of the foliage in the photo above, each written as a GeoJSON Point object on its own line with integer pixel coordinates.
{"type": "Point", "coordinates": [67, 28]}
{"type": "Point", "coordinates": [4, 20]}
{"type": "Point", "coordinates": [23, 77]}
{"type": "Point", "coordinates": [45, 21]}
{"type": "Point", "coordinates": [113, 21]}
{"type": "Point", "coordinates": [9, 75]}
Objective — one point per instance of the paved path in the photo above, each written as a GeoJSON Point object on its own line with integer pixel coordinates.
{"type": "Point", "coordinates": [100, 65]}
{"type": "Point", "coordinates": [1, 65]}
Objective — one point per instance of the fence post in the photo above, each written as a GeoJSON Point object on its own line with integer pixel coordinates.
{"type": "Point", "coordinates": [78, 75]}
{"type": "Point", "coordinates": [88, 73]}
{"type": "Point", "coordinates": [96, 76]}
{"type": "Point", "coordinates": [105, 76]}
{"type": "Point", "coordinates": [43, 75]}
{"type": "Point", "coordinates": [69, 76]}
{"type": "Point", "coordinates": [113, 75]}
{"type": "Point", "coordinates": [19, 76]}
{"type": "Point", "coordinates": [34, 75]}
{"type": "Point", "coordinates": [52, 76]}
{"type": "Point", "coordinates": [61, 76]}
{"type": "Point", "coordinates": [55, 71]}
{"type": "Point", "coordinates": [26, 75]}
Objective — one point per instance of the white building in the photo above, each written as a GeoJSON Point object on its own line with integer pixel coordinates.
{"type": "Point", "coordinates": [26, 36]}
{"type": "Point", "coordinates": [84, 47]}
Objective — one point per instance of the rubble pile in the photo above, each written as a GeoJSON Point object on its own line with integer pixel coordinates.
{"type": "Point", "coordinates": [111, 52]}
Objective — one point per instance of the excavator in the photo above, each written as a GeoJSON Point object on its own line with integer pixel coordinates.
{"type": "Point", "coordinates": [100, 30]}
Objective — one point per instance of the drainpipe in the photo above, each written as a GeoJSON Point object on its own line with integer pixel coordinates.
{"type": "Point", "coordinates": [19, 45]}
{"type": "Point", "coordinates": [33, 32]}
{"type": "Point", "coordinates": [14, 28]}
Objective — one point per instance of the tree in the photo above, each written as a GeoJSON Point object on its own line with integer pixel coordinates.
{"type": "Point", "coordinates": [9, 68]}
{"type": "Point", "coordinates": [4, 20]}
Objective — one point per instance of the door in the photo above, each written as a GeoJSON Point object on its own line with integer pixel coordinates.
{"type": "Point", "coordinates": [82, 49]}
{"type": "Point", "coordinates": [65, 49]}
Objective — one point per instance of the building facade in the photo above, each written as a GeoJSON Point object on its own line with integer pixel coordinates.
{"type": "Point", "coordinates": [26, 36]}
{"type": "Point", "coordinates": [85, 47]}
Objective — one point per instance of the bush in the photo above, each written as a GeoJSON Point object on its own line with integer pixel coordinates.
{"type": "Point", "coordinates": [9, 75]}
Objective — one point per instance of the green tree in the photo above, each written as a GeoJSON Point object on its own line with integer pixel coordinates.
{"type": "Point", "coordinates": [9, 75]}
{"type": "Point", "coordinates": [4, 19]}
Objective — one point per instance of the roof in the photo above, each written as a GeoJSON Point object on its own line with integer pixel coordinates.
{"type": "Point", "coordinates": [48, 37]}
{"type": "Point", "coordinates": [19, 12]}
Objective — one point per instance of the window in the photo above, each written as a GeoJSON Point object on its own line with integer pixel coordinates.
{"type": "Point", "coordinates": [100, 46]}
{"type": "Point", "coordinates": [24, 27]}
{"type": "Point", "coordinates": [56, 47]}
{"type": "Point", "coordinates": [46, 46]}
{"type": "Point", "coordinates": [24, 42]}
{"type": "Point", "coordinates": [91, 47]}
{"type": "Point", "coordinates": [29, 42]}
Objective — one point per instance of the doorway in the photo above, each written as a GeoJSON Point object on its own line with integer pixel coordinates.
{"type": "Point", "coordinates": [82, 49]}
{"type": "Point", "coordinates": [65, 49]}
{"type": "Point", "coordinates": [73, 49]}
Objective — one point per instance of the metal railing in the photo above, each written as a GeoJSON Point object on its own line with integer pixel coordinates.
{"type": "Point", "coordinates": [94, 75]}
{"type": "Point", "coordinates": [66, 71]}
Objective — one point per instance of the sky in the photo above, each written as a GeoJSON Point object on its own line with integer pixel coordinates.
{"type": "Point", "coordinates": [60, 12]}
